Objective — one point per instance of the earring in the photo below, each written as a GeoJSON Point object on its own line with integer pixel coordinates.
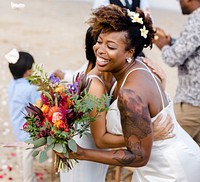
{"type": "Point", "coordinates": [129, 60]}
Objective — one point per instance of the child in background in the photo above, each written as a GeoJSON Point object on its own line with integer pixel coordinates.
{"type": "Point", "coordinates": [20, 93]}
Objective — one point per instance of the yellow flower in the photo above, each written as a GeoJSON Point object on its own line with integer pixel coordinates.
{"type": "Point", "coordinates": [57, 123]}
{"type": "Point", "coordinates": [45, 109]}
{"type": "Point", "coordinates": [38, 103]}
{"type": "Point", "coordinates": [59, 88]}
{"type": "Point", "coordinates": [144, 32]}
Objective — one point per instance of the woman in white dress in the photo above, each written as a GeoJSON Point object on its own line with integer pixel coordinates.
{"type": "Point", "coordinates": [138, 99]}
{"type": "Point", "coordinates": [101, 83]}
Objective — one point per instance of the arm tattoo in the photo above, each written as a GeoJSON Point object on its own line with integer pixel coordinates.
{"type": "Point", "coordinates": [127, 159]}
{"type": "Point", "coordinates": [135, 123]}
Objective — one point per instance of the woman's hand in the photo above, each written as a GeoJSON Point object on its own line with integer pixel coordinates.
{"type": "Point", "coordinates": [156, 69]}
{"type": "Point", "coordinates": [72, 155]}
{"type": "Point", "coordinates": [59, 73]}
{"type": "Point", "coordinates": [163, 131]}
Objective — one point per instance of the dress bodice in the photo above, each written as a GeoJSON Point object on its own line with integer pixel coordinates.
{"type": "Point", "coordinates": [113, 118]}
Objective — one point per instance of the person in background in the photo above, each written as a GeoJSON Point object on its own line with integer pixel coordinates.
{"type": "Point", "coordinates": [184, 53]}
{"type": "Point", "coordinates": [99, 137]}
{"type": "Point", "coordinates": [129, 4]}
{"type": "Point", "coordinates": [20, 94]}
{"type": "Point", "coordinates": [137, 100]}
{"type": "Point", "coordinates": [68, 75]}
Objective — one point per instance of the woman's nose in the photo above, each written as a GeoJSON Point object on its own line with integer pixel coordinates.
{"type": "Point", "coordinates": [101, 49]}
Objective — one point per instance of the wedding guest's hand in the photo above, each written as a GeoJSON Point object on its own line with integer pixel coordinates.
{"type": "Point", "coordinates": [155, 68]}
{"type": "Point", "coordinates": [163, 131]}
{"type": "Point", "coordinates": [60, 74]}
{"type": "Point", "coordinates": [161, 38]}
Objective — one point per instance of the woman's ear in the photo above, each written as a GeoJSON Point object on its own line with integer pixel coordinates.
{"type": "Point", "coordinates": [131, 52]}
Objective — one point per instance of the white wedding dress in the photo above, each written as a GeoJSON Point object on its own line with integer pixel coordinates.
{"type": "Point", "coordinates": [86, 171]}
{"type": "Point", "coordinates": [172, 160]}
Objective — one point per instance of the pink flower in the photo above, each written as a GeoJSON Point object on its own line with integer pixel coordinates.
{"type": "Point", "coordinates": [56, 116]}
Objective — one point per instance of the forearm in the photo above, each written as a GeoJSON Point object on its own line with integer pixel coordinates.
{"type": "Point", "coordinates": [169, 56]}
{"type": "Point", "coordinates": [110, 141]}
{"type": "Point", "coordinates": [120, 157]}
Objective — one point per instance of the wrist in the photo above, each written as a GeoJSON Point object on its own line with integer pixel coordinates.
{"type": "Point", "coordinates": [172, 41]}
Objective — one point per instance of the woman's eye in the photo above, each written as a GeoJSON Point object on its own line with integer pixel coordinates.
{"type": "Point", "coordinates": [99, 42]}
{"type": "Point", "coordinates": [112, 48]}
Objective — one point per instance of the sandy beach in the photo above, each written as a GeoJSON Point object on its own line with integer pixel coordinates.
{"type": "Point", "coordinates": [53, 32]}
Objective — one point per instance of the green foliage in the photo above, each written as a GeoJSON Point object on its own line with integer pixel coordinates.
{"type": "Point", "coordinates": [72, 145]}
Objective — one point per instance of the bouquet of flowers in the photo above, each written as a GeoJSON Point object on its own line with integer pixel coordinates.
{"type": "Point", "coordinates": [60, 114]}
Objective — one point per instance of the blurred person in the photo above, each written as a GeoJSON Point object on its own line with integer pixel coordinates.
{"type": "Point", "coordinates": [129, 4]}
{"type": "Point", "coordinates": [20, 94]}
{"type": "Point", "coordinates": [99, 137]}
{"type": "Point", "coordinates": [68, 75]}
{"type": "Point", "coordinates": [137, 100]}
{"type": "Point", "coordinates": [184, 53]}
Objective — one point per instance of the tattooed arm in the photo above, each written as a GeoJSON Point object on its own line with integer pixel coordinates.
{"type": "Point", "coordinates": [136, 126]}
{"type": "Point", "coordinates": [137, 131]}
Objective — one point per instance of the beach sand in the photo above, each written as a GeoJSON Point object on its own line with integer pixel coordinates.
{"type": "Point", "coordinates": [53, 32]}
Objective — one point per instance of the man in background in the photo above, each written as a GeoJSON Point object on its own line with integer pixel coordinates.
{"type": "Point", "coordinates": [184, 53]}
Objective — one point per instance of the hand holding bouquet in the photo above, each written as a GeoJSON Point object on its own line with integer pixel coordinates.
{"type": "Point", "coordinates": [63, 112]}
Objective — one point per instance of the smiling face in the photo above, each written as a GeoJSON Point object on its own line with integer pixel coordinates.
{"type": "Point", "coordinates": [111, 52]}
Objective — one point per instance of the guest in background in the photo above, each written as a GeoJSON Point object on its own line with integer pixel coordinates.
{"type": "Point", "coordinates": [184, 53]}
{"type": "Point", "coordinates": [129, 4]}
{"type": "Point", "coordinates": [20, 94]}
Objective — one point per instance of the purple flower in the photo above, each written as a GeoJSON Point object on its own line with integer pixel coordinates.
{"type": "Point", "coordinates": [54, 79]}
{"type": "Point", "coordinates": [73, 87]}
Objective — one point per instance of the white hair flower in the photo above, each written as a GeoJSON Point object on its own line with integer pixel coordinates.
{"type": "Point", "coordinates": [13, 56]}
{"type": "Point", "coordinates": [144, 32]}
{"type": "Point", "coordinates": [134, 17]}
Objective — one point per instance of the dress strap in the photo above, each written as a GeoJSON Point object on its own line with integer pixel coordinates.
{"type": "Point", "coordinates": [95, 76]}
{"type": "Point", "coordinates": [156, 81]}
{"type": "Point", "coordinates": [149, 71]}
{"type": "Point", "coordinates": [113, 88]}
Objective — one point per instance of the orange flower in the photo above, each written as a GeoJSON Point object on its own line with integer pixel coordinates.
{"type": "Point", "coordinates": [59, 88]}
{"type": "Point", "coordinates": [45, 109]}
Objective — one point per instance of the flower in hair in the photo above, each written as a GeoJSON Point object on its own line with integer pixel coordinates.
{"type": "Point", "coordinates": [13, 56]}
{"type": "Point", "coordinates": [144, 32]}
{"type": "Point", "coordinates": [134, 17]}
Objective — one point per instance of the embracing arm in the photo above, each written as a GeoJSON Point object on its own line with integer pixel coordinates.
{"type": "Point", "coordinates": [101, 138]}
{"type": "Point", "coordinates": [136, 125]}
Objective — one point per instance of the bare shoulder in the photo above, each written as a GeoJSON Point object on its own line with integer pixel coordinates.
{"type": "Point", "coordinates": [97, 87]}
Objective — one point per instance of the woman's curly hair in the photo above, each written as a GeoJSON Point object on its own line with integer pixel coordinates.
{"type": "Point", "coordinates": [114, 18]}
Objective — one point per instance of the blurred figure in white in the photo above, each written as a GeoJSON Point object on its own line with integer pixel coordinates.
{"type": "Point", "coordinates": [129, 4]}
